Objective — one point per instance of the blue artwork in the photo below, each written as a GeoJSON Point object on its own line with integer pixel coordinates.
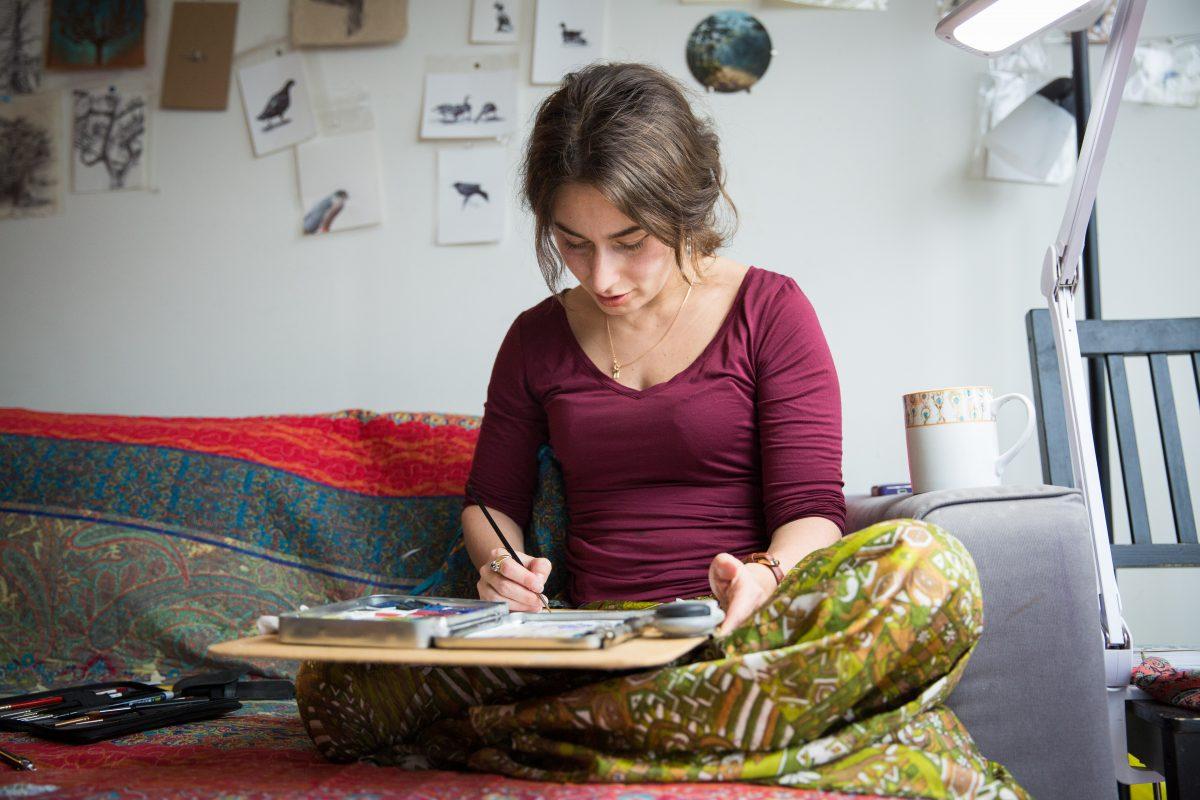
{"type": "Point", "coordinates": [96, 34]}
{"type": "Point", "coordinates": [729, 51]}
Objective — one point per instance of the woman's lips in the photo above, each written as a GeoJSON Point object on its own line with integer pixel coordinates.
{"type": "Point", "coordinates": [614, 300]}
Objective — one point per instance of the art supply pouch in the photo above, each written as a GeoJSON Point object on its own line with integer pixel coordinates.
{"type": "Point", "coordinates": [197, 698]}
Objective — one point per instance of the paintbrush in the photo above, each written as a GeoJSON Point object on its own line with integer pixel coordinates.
{"type": "Point", "coordinates": [503, 541]}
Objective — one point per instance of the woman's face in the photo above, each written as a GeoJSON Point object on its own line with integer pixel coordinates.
{"type": "Point", "coordinates": [615, 261]}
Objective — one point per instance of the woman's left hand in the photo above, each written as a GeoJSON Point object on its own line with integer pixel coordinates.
{"type": "Point", "coordinates": [739, 588]}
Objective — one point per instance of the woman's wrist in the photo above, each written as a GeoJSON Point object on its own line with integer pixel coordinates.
{"type": "Point", "coordinates": [763, 574]}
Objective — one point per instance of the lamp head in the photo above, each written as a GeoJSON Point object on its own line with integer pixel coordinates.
{"type": "Point", "coordinates": [993, 27]}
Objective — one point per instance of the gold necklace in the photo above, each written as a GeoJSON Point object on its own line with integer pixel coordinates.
{"type": "Point", "coordinates": [616, 365]}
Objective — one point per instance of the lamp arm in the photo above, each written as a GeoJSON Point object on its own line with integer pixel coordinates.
{"type": "Point", "coordinates": [1059, 282]}
{"type": "Point", "coordinates": [1060, 278]}
{"type": "Point", "coordinates": [1127, 23]}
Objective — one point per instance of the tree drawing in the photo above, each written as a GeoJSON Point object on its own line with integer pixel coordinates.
{"type": "Point", "coordinates": [109, 131]}
{"type": "Point", "coordinates": [97, 23]}
{"type": "Point", "coordinates": [20, 46]}
{"type": "Point", "coordinates": [25, 154]}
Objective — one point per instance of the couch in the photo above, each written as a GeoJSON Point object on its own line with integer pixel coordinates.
{"type": "Point", "coordinates": [129, 544]}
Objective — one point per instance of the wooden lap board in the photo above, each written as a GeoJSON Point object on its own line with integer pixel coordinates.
{"type": "Point", "coordinates": [642, 651]}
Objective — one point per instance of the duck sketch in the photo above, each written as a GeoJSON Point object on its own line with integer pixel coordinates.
{"type": "Point", "coordinates": [503, 21]}
{"type": "Point", "coordinates": [321, 216]}
{"type": "Point", "coordinates": [469, 190]}
{"type": "Point", "coordinates": [571, 36]}
{"type": "Point", "coordinates": [277, 106]}
{"type": "Point", "coordinates": [452, 112]}
{"type": "Point", "coordinates": [489, 113]}
{"type": "Point", "coordinates": [354, 13]}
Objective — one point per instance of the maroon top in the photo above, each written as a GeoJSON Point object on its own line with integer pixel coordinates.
{"type": "Point", "coordinates": [746, 438]}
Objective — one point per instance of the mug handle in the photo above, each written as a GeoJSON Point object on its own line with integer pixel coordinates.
{"type": "Point", "coordinates": [1011, 452]}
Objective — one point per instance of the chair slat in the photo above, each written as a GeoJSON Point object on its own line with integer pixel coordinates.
{"type": "Point", "coordinates": [1156, 555]}
{"type": "Point", "coordinates": [1196, 372]}
{"type": "Point", "coordinates": [1168, 425]}
{"type": "Point", "coordinates": [1048, 397]}
{"type": "Point", "coordinates": [1177, 336]}
{"type": "Point", "coordinates": [1131, 467]}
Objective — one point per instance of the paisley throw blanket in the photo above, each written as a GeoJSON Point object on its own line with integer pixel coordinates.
{"type": "Point", "coordinates": [836, 683]}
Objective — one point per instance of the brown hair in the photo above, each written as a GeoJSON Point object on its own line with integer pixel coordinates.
{"type": "Point", "coordinates": [627, 130]}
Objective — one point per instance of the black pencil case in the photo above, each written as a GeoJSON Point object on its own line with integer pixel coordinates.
{"type": "Point", "coordinates": [196, 698]}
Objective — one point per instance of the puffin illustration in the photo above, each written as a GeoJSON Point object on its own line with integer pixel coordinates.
{"type": "Point", "coordinates": [469, 190]}
{"type": "Point", "coordinates": [321, 216]}
{"type": "Point", "coordinates": [277, 106]}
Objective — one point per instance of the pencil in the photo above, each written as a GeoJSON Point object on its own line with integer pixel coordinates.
{"type": "Point", "coordinates": [41, 701]}
{"type": "Point", "coordinates": [503, 541]}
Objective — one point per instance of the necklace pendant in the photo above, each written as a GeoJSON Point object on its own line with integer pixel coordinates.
{"type": "Point", "coordinates": [616, 369]}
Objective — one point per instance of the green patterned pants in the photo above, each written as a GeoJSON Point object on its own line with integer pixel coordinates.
{"type": "Point", "coordinates": [837, 683]}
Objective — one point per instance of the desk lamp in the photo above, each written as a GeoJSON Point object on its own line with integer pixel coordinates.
{"type": "Point", "coordinates": [991, 28]}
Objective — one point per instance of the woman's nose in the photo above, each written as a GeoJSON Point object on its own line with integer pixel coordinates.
{"type": "Point", "coordinates": [605, 272]}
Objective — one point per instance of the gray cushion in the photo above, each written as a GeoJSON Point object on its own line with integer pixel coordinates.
{"type": "Point", "coordinates": [1033, 693]}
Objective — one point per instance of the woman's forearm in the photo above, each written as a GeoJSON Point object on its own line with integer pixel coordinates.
{"type": "Point", "coordinates": [793, 541]}
{"type": "Point", "coordinates": [482, 540]}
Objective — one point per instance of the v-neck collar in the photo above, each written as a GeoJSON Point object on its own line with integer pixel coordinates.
{"type": "Point", "coordinates": [612, 383]}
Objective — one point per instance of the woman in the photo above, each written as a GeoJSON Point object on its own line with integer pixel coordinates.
{"type": "Point", "coordinates": [694, 407]}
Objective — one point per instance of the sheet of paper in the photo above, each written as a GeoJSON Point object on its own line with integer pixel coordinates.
{"type": "Point", "coordinates": [339, 183]}
{"type": "Point", "coordinates": [275, 97]}
{"type": "Point", "coordinates": [472, 195]}
{"type": "Point", "coordinates": [199, 56]}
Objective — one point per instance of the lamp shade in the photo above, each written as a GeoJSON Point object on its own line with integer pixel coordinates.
{"type": "Point", "coordinates": [1033, 136]}
{"type": "Point", "coordinates": [992, 27]}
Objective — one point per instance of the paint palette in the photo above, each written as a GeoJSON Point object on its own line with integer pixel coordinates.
{"type": "Point", "coordinates": [408, 621]}
{"type": "Point", "coordinates": [387, 620]}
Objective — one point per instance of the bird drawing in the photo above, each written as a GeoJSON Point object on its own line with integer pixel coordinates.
{"type": "Point", "coordinates": [570, 36]}
{"type": "Point", "coordinates": [503, 22]}
{"type": "Point", "coordinates": [452, 112]}
{"type": "Point", "coordinates": [354, 13]}
{"type": "Point", "coordinates": [489, 113]}
{"type": "Point", "coordinates": [277, 106]}
{"type": "Point", "coordinates": [469, 190]}
{"type": "Point", "coordinates": [320, 217]}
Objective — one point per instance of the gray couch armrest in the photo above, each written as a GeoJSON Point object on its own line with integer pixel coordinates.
{"type": "Point", "coordinates": [1033, 693]}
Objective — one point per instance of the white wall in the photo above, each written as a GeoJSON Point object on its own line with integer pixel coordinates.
{"type": "Point", "coordinates": [847, 162]}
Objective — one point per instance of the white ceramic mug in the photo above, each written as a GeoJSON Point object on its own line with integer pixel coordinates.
{"type": "Point", "coordinates": [952, 438]}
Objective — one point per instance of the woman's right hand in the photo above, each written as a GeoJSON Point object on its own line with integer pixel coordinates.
{"type": "Point", "coordinates": [521, 587]}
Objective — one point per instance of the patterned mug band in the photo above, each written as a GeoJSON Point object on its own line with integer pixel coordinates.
{"type": "Point", "coordinates": [955, 404]}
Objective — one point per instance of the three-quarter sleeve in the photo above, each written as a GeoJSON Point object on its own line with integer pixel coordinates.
{"type": "Point", "coordinates": [504, 469]}
{"type": "Point", "coordinates": [799, 413]}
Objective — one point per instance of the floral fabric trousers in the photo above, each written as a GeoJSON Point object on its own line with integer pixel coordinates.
{"type": "Point", "coordinates": [836, 683]}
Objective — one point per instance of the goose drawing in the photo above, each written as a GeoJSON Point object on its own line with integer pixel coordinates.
{"type": "Point", "coordinates": [469, 190]}
{"type": "Point", "coordinates": [452, 112]}
{"type": "Point", "coordinates": [489, 113]}
{"type": "Point", "coordinates": [572, 37]}
{"type": "Point", "coordinates": [503, 21]}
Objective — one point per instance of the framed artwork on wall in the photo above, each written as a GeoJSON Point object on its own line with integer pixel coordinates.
{"type": "Point", "coordinates": [494, 21]}
{"type": "Point", "coordinates": [472, 195]}
{"type": "Point", "coordinates": [567, 34]}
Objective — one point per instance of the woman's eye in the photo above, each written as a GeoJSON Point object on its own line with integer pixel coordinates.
{"type": "Point", "coordinates": [635, 246]}
{"type": "Point", "coordinates": [578, 245]}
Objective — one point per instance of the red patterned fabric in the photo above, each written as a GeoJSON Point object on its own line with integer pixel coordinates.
{"type": "Point", "coordinates": [267, 754]}
{"type": "Point", "coordinates": [388, 455]}
{"type": "Point", "coordinates": [128, 544]}
{"type": "Point", "coordinates": [1166, 684]}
